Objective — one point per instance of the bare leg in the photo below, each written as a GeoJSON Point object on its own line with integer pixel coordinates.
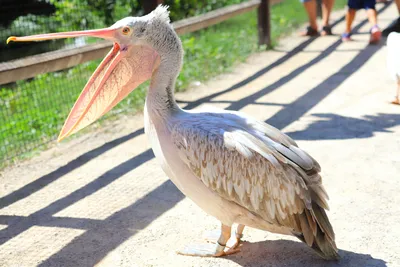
{"type": "Point", "coordinates": [397, 5]}
{"type": "Point", "coordinates": [372, 17]}
{"type": "Point", "coordinates": [350, 15]}
{"type": "Point", "coordinates": [327, 6]}
{"type": "Point", "coordinates": [211, 249]}
{"type": "Point", "coordinates": [311, 9]}
{"type": "Point", "coordinates": [375, 31]}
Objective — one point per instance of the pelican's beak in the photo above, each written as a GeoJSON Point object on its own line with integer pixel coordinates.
{"type": "Point", "coordinates": [107, 33]}
{"type": "Point", "coordinates": [121, 71]}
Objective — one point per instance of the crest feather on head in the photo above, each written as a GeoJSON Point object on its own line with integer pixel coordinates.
{"type": "Point", "coordinates": [161, 13]}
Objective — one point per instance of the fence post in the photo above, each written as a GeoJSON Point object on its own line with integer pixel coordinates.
{"type": "Point", "coordinates": [150, 5]}
{"type": "Point", "coordinates": [264, 24]}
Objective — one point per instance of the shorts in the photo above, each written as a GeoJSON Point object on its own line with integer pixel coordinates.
{"type": "Point", "coordinates": [361, 4]}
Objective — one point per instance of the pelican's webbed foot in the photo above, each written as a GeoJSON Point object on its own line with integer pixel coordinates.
{"type": "Point", "coordinates": [204, 250]}
{"type": "Point", "coordinates": [396, 101]}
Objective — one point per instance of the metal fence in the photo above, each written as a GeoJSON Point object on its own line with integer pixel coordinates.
{"type": "Point", "coordinates": [33, 107]}
{"type": "Point", "coordinates": [26, 17]}
{"type": "Point", "coordinates": [32, 110]}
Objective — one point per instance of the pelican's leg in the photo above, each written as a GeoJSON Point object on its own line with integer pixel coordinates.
{"type": "Point", "coordinates": [397, 98]}
{"type": "Point", "coordinates": [210, 249]}
{"type": "Point", "coordinates": [232, 243]}
{"type": "Point", "coordinates": [236, 240]}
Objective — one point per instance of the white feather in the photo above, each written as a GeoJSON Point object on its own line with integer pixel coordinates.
{"type": "Point", "coordinates": [161, 13]}
{"type": "Point", "coordinates": [393, 55]}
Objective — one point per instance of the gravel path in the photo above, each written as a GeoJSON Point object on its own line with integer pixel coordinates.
{"type": "Point", "coordinates": [102, 199]}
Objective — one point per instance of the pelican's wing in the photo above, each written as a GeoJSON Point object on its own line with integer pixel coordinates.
{"type": "Point", "coordinates": [251, 124]}
{"type": "Point", "coordinates": [276, 180]}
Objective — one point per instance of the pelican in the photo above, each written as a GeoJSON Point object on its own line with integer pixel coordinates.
{"type": "Point", "coordinates": [237, 169]}
{"type": "Point", "coordinates": [393, 61]}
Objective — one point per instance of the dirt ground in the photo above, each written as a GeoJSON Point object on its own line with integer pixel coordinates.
{"type": "Point", "coordinates": [102, 199]}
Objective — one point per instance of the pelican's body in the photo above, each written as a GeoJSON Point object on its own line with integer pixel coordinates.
{"type": "Point", "coordinates": [242, 171]}
{"type": "Point", "coordinates": [192, 150]}
{"type": "Point", "coordinates": [235, 168]}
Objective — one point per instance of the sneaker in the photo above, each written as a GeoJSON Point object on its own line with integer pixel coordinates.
{"type": "Point", "coordinates": [310, 32]}
{"type": "Point", "coordinates": [346, 37]}
{"type": "Point", "coordinates": [394, 27]}
{"type": "Point", "coordinates": [376, 35]}
{"type": "Point", "coordinates": [326, 30]}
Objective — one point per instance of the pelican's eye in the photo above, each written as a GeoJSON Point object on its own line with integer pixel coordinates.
{"type": "Point", "coordinates": [126, 30]}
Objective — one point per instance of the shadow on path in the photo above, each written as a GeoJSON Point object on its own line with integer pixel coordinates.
{"type": "Point", "coordinates": [102, 181]}
{"type": "Point", "coordinates": [43, 181]}
{"type": "Point", "coordinates": [90, 247]}
{"type": "Point", "coordinates": [290, 253]}
{"type": "Point", "coordinates": [306, 102]}
{"type": "Point", "coordinates": [332, 126]}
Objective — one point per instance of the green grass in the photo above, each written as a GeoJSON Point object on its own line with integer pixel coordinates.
{"type": "Point", "coordinates": [32, 112]}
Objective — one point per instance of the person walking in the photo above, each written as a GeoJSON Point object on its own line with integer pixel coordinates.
{"type": "Point", "coordinates": [369, 6]}
{"type": "Point", "coordinates": [311, 9]}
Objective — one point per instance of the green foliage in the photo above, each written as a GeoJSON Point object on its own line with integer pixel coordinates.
{"type": "Point", "coordinates": [69, 15]}
{"type": "Point", "coordinates": [85, 14]}
{"type": "Point", "coordinates": [100, 13]}
{"type": "Point", "coordinates": [214, 50]}
{"type": "Point", "coordinates": [108, 11]}
{"type": "Point", "coordinates": [180, 9]}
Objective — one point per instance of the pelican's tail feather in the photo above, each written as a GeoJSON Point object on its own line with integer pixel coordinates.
{"type": "Point", "coordinates": [317, 232]}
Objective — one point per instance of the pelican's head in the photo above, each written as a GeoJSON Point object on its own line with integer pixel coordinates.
{"type": "Point", "coordinates": [139, 45]}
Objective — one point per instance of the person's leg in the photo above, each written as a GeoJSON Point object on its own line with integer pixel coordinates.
{"type": "Point", "coordinates": [397, 2]}
{"type": "Point", "coordinates": [352, 7]}
{"type": "Point", "coordinates": [311, 9]}
{"type": "Point", "coordinates": [327, 6]}
{"type": "Point", "coordinates": [376, 33]}
{"type": "Point", "coordinates": [372, 17]}
{"type": "Point", "coordinates": [395, 27]}
{"type": "Point", "coordinates": [350, 15]}
{"type": "Point", "coordinates": [369, 6]}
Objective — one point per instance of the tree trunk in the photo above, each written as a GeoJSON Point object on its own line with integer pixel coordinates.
{"type": "Point", "coordinates": [149, 5]}
{"type": "Point", "coordinates": [264, 24]}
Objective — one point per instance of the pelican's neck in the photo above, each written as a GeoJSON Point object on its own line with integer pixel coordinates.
{"type": "Point", "coordinates": [160, 98]}
{"type": "Point", "coordinates": [161, 93]}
